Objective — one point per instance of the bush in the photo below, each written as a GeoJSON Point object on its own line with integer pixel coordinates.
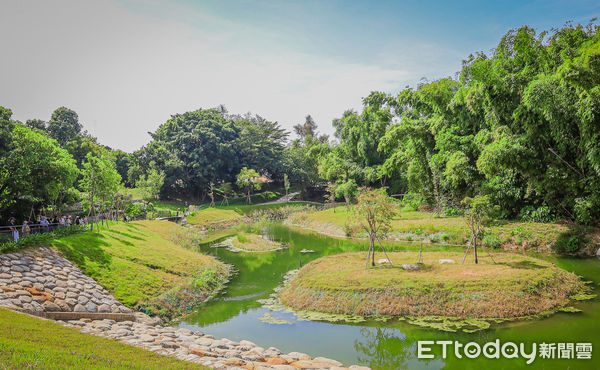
{"type": "Point", "coordinates": [492, 241]}
{"type": "Point", "coordinates": [453, 211]}
{"type": "Point", "coordinates": [136, 210]}
{"type": "Point", "coordinates": [568, 244]}
{"type": "Point", "coordinates": [242, 238]}
{"type": "Point", "coordinates": [208, 279]}
{"type": "Point", "coordinates": [411, 202]}
{"type": "Point", "coordinates": [584, 211]}
{"type": "Point", "coordinates": [541, 214]}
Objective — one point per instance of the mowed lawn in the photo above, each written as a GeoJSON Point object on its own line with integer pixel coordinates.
{"type": "Point", "coordinates": [29, 342]}
{"type": "Point", "coordinates": [135, 261]}
{"type": "Point", "coordinates": [210, 216]}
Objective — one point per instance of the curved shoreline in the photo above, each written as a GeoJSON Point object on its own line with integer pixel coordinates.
{"type": "Point", "coordinates": [341, 285]}
{"type": "Point", "coordinates": [42, 274]}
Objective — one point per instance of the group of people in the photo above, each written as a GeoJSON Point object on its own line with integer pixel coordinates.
{"type": "Point", "coordinates": [42, 224]}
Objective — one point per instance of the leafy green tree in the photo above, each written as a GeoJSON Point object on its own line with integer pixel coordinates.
{"type": "Point", "coordinates": [347, 190]}
{"type": "Point", "coordinates": [80, 145]}
{"type": "Point", "coordinates": [34, 170]}
{"type": "Point", "coordinates": [260, 144]}
{"type": "Point", "coordinates": [64, 125]}
{"type": "Point", "coordinates": [6, 128]}
{"type": "Point", "coordinates": [479, 210]}
{"type": "Point", "coordinates": [194, 149]}
{"type": "Point", "coordinates": [373, 214]}
{"type": "Point", "coordinates": [248, 180]}
{"type": "Point", "coordinates": [36, 124]}
{"type": "Point", "coordinates": [330, 197]}
{"type": "Point", "coordinates": [308, 132]}
{"type": "Point", "coordinates": [226, 191]}
{"type": "Point", "coordinates": [151, 184]}
{"type": "Point", "coordinates": [100, 182]}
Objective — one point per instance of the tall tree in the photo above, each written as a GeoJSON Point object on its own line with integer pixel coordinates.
{"type": "Point", "coordinates": [260, 144]}
{"type": "Point", "coordinates": [64, 125]}
{"type": "Point", "coordinates": [100, 182]}
{"type": "Point", "coordinates": [248, 180]}
{"type": "Point", "coordinates": [373, 214]}
{"type": "Point", "coordinates": [194, 149]}
{"type": "Point", "coordinates": [34, 170]}
{"type": "Point", "coordinates": [36, 124]}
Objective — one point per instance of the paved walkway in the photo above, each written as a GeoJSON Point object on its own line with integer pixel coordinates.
{"type": "Point", "coordinates": [283, 199]}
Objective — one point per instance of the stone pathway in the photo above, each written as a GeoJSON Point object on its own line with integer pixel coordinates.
{"type": "Point", "coordinates": [283, 199]}
{"type": "Point", "coordinates": [41, 281]}
{"type": "Point", "coordinates": [203, 349]}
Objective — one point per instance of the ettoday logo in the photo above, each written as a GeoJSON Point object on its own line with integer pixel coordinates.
{"type": "Point", "coordinates": [495, 349]}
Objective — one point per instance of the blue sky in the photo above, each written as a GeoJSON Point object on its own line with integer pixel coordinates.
{"type": "Point", "coordinates": [126, 65]}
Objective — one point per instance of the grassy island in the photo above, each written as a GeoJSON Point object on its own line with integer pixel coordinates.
{"type": "Point", "coordinates": [515, 286]}
{"type": "Point", "coordinates": [248, 242]}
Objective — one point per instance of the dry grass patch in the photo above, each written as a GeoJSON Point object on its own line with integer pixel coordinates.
{"type": "Point", "coordinates": [515, 286]}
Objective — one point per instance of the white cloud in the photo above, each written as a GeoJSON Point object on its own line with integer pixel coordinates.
{"type": "Point", "coordinates": [126, 73]}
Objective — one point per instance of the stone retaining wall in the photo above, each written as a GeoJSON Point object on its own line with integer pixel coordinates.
{"type": "Point", "coordinates": [41, 279]}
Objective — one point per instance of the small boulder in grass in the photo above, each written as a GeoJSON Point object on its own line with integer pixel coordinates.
{"type": "Point", "coordinates": [442, 261]}
{"type": "Point", "coordinates": [410, 266]}
{"type": "Point", "coordinates": [383, 261]}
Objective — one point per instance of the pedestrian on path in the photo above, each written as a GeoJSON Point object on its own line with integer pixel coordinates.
{"type": "Point", "coordinates": [13, 229]}
{"type": "Point", "coordinates": [25, 230]}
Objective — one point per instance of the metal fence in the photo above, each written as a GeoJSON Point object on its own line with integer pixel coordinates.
{"type": "Point", "coordinates": [6, 234]}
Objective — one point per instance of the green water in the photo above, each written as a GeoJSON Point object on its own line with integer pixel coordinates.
{"type": "Point", "coordinates": [392, 345]}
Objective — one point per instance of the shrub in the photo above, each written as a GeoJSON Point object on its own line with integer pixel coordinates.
{"type": "Point", "coordinates": [569, 243]}
{"type": "Point", "coordinates": [584, 211]}
{"type": "Point", "coordinates": [411, 202]}
{"type": "Point", "coordinates": [208, 279]}
{"type": "Point", "coordinates": [492, 241]}
{"type": "Point", "coordinates": [136, 210]}
{"type": "Point", "coordinates": [453, 211]}
{"type": "Point", "coordinates": [541, 214]}
{"type": "Point", "coordinates": [242, 238]}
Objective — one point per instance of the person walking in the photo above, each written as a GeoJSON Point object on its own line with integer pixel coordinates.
{"type": "Point", "coordinates": [13, 229]}
{"type": "Point", "coordinates": [45, 224]}
{"type": "Point", "coordinates": [25, 229]}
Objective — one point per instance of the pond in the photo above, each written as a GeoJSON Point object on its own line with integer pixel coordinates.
{"type": "Point", "coordinates": [236, 314]}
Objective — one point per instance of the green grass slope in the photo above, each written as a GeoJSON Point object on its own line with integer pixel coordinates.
{"type": "Point", "coordinates": [211, 216]}
{"type": "Point", "coordinates": [136, 261]}
{"type": "Point", "coordinates": [28, 342]}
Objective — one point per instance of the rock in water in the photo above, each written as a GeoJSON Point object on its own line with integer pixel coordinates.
{"type": "Point", "coordinates": [410, 266]}
{"type": "Point", "coordinates": [447, 261]}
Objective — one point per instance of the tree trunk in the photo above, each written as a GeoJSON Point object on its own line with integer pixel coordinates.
{"type": "Point", "coordinates": [372, 246]}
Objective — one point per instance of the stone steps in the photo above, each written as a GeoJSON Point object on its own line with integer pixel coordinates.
{"type": "Point", "coordinates": [67, 316]}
